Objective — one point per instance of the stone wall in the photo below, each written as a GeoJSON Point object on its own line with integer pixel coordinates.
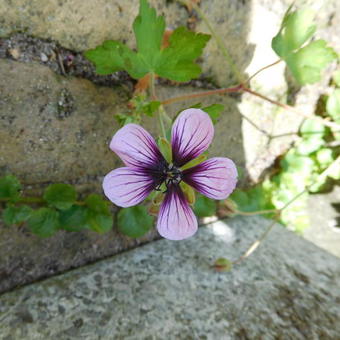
{"type": "Point", "coordinates": [55, 125]}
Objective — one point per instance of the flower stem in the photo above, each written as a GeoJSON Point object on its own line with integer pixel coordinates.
{"type": "Point", "coordinates": [237, 88]}
{"type": "Point", "coordinates": [258, 212]}
{"type": "Point", "coordinates": [218, 40]}
{"type": "Point", "coordinates": [33, 200]}
{"type": "Point", "coordinates": [160, 111]}
{"type": "Point", "coordinates": [291, 108]}
{"type": "Point", "coordinates": [260, 70]}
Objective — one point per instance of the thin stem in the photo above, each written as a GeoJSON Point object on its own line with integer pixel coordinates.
{"type": "Point", "coordinates": [154, 97]}
{"type": "Point", "coordinates": [152, 86]}
{"type": "Point", "coordinates": [291, 108]}
{"type": "Point", "coordinates": [258, 212]}
{"type": "Point", "coordinates": [217, 38]}
{"type": "Point", "coordinates": [33, 200]}
{"type": "Point", "coordinates": [234, 89]}
{"type": "Point", "coordinates": [255, 244]}
{"type": "Point", "coordinates": [260, 70]}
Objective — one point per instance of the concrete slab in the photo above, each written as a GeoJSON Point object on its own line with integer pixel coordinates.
{"type": "Point", "coordinates": [288, 289]}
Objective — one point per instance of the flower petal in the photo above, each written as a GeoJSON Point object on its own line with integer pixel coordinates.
{"type": "Point", "coordinates": [192, 134]}
{"type": "Point", "coordinates": [126, 187]}
{"type": "Point", "coordinates": [136, 147]}
{"type": "Point", "coordinates": [215, 178]}
{"type": "Point", "coordinates": [176, 220]}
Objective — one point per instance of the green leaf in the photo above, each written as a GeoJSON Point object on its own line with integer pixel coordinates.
{"type": "Point", "coordinates": [310, 145]}
{"type": "Point", "coordinates": [336, 78]}
{"type": "Point", "coordinates": [297, 27]}
{"type": "Point", "coordinates": [74, 218]}
{"type": "Point", "coordinates": [60, 195]}
{"type": "Point", "coordinates": [254, 199]}
{"type": "Point", "coordinates": [134, 221]}
{"type": "Point", "coordinates": [214, 111]}
{"type": "Point", "coordinates": [312, 128]}
{"type": "Point", "coordinates": [176, 61]}
{"type": "Point", "coordinates": [9, 188]}
{"type": "Point", "coordinates": [149, 30]}
{"type": "Point", "coordinates": [100, 223]}
{"type": "Point", "coordinates": [204, 206]}
{"type": "Point", "coordinates": [98, 216]}
{"type": "Point", "coordinates": [333, 105]}
{"type": "Point", "coordinates": [124, 119]}
{"type": "Point", "coordinates": [294, 162]}
{"type": "Point", "coordinates": [307, 63]}
{"type": "Point", "coordinates": [325, 157]}
{"type": "Point", "coordinates": [150, 108]}
{"type": "Point", "coordinates": [113, 56]}
{"type": "Point", "coordinates": [44, 222]}
{"type": "Point", "coordinates": [16, 214]}
{"type": "Point", "coordinates": [97, 204]}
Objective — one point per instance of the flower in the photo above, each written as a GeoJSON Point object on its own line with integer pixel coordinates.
{"type": "Point", "coordinates": [147, 169]}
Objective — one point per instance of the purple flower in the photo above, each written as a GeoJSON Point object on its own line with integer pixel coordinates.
{"type": "Point", "coordinates": [146, 169]}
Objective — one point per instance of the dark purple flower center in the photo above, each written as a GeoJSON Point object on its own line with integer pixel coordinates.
{"type": "Point", "coordinates": [168, 174]}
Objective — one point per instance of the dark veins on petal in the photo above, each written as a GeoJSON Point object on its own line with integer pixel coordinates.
{"type": "Point", "coordinates": [193, 175]}
{"type": "Point", "coordinates": [184, 154]}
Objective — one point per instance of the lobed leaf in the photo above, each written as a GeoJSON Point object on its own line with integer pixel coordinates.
{"type": "Point", "coordinates": [176, 61]}
{"type": "Point", "coordinates": [297, 27]}
{"type": "Point", "coordinates": [307, 63]}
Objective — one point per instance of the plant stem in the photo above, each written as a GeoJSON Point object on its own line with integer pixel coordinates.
{"type": "Point", "coordinates": [258, 212]}
{"type": "Point", "coordinates": [260, 70]}
{"type": "Point", "coordinates": [217, 38]}
{"type": "Point", "coordinates": [160, 111]}
{"type": "Point", "coordinates": [243, 88]}
{"type": "Point", "coordinates": [237, 88]}
{"type": "Point", "coordinates": [255, 244]}
{"type": "Point", "coordinates": [34, 200]}
{"type": "Point", "coordinates": [291, 108]}
{"type": "Point", "coordinates": [152, 86]}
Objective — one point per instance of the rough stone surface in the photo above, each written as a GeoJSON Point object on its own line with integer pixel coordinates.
{"type": "Point", "coordinates": [288, 289]}
{"type": "Point", "coordinates": [324, 216]}
{"type": "Point", "coordinates": [57, 128]}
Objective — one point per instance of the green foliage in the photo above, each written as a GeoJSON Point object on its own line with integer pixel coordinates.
{"type": "Point", "coordinates": [336, 78]}
{"type": "Point", "coordinates": [16, 214]}
{"type": "Point", "coordinates": [204, 206]}
{"type": "Point", "coordinates": [60, 195]}
{"type": "Point", "coordinates": [44, 222]}
{"type": "Point", "coordinates": [175, 62]}
{"type": "Point", "coordinates": [296, 28]}
{"type": "Point", "coordinates": [134, 221]}
{"type": "Point", "coordinates": [9, 188]}
{"type": "Point", "coordinates": [98, 217]}
{"type": "Point", "coordinates": [214, 111]}
{"type": "Point", "coordinates": [74, 218]}
{"type": "Point", "coordinates": [333, 105]}
{"type": "Point", "coordinates": [254, 199]}
{"type": "Point", "coordinates": [305, 62]}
